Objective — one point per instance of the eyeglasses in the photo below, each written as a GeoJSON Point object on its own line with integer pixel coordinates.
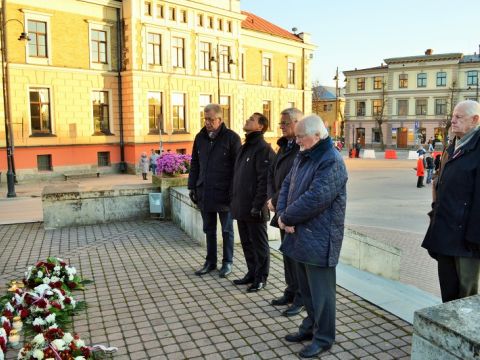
{"type": "Point", "coordinates": [286, 123]}
{"type": "Point", "coordinates": [210, 120]}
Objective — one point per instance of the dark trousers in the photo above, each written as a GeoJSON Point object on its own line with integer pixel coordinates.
{"type": "Point", "coordinates": [420, 181]}
{"type": "Point", "coordinates": [210, 230]}
{"type": "Point", "coordinates": [458, 276]}
{"type": "Point", "coordinates": [318, 287]}
{"type": "Point", "coordinates": [292, 291]}
{"type": "Point", "coordinates": [254, 239]}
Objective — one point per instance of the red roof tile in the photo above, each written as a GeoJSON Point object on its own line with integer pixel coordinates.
{"type": "Point", "coordinates": [254, 22]}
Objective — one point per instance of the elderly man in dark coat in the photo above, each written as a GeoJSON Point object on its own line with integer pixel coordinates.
{"type": "Point", "coordinates": [210, 182]}
{"type": "Point", "coordinates": [249, 201]}
{"type": "Point", "coordinates": [311, 209]}
{"type": "Point", "coordinates": [287, 152]}
{"type": "Point", "coordinates": [453, 237]}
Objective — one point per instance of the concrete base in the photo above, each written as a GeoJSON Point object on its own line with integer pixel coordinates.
{"type": "Point", "coordinates": [70, 205]}
{"type": "Point", "coordinates": [165, 183]}
{"type": "Point", "coordinates": [186, 215]}
{"type": "Point", "coordinates": [448, 331]}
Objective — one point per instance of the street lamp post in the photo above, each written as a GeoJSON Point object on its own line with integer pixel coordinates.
{"type": "Point", "coordinates": [217, 60]}
{"type": "Point", "coordinates": [6, 98]}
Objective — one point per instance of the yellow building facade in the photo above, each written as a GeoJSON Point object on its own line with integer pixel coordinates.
{"type": "Point", "coordinates": [99, 82]}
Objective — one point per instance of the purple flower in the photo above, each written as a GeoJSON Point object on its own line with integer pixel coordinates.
{"type": "Point", "coordinates": [173, 164]}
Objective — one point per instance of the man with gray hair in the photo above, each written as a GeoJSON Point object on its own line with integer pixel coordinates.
{"type": "Point", "coordinates": [311, 209]}
{"type": "Point", "coordinates": [279, 169]}
{"type": "Point", "coordinates": [453, 237]}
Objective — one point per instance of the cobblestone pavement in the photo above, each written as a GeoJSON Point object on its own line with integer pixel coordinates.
{"type": "Point", "coordinates": [147, 302]}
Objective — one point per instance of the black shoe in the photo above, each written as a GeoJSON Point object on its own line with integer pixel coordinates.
{"type": "Point", "coordinates": [282, 300]}
{"type": "Point", "coordinates": [207, 267]}
{"type": "Point", "coordinates": [293, 310]}
{"type": "Point", "coordinates": [225, 270]}
{"type": "Point", "coordinates": [256, 286]}
{"type": "Point", "coordinates": [298, 337]}
{"type": "Point", "coordinates": [243, 281]}
{"type": "Point", "coordinates": [313, 349]}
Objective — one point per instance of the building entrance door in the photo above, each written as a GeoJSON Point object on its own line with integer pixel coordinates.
{"type": "Point", "coordinates": [360, 135]}
{"type": "Point", "coordinates": [402, 137]}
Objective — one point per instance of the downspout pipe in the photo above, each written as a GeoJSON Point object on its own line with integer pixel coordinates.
{"type": "Point", "coordinates": [122, 165]}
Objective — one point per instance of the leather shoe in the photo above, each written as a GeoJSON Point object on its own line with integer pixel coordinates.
{"type": "Point", "coordinates": [282, 300]}
{"type": "Point", "coordinates": [293, 310]}
{"type": "Point", "coordinates": [256, 286]}
{"type": "Point", "coordinates": [225, 270]}
{"type": "Point", "coordinates": [207, 267]}
{"type": "Point", "coordinates": [313, 349]}
{"type": "Point", "coordinates": [243, 281]}
{"type": "Point", "coordinates": [298, 337]}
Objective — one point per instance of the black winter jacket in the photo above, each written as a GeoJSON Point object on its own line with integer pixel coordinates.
{"type": "Point", "coordinates": [211, 171]}
{"type": "Point", "coordinates": [455, 219]}
{"type": "Point", "coordinates": [250, 178]}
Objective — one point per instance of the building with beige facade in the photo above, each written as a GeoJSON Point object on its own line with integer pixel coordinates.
{"type": "Point", "coordinates": [101, 81]}
{"type": "Point", "coordinates": [413, 97]}
{"type": "Point", "coordinates": [329, 104]}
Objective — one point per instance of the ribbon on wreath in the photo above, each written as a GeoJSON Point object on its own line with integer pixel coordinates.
{"type": "Point", "coordinates": [54, 349]}
{"type": "Point", "coordinates": [103, 348]}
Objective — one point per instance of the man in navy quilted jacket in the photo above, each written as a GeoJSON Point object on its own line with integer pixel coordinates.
{"type": "Point", "coordinates": [311, 208]}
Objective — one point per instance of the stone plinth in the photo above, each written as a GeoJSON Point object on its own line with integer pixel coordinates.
{"type": "Point", "coordinates": [165, 183]}
{"type": "Point", "coordinates": [448, 331]}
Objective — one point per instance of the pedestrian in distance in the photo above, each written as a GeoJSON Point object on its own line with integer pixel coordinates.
{"type": "Point", "coordinates": [214, 152]}
{"type": "Point", "coordinates": [358, 147]}
{"type": "Point", "coordinates": [153, 161]}
{"type": "Point", "coordinates": [420, 171]}
{"type": "Point", "coordinates": [281, 165]}
{"type": "Point", "coordinates": [453, 236]}
{"type": "Point", "coordinates": [144, 165]}
{"type": "Point", "coordinates": [249, 201]}
{"type": "Point", "coordinates": [311, 208]}
{"type": "Point", "coordinates": [431, 145]}
{"type": "Point", "coordinates": [430, 167]}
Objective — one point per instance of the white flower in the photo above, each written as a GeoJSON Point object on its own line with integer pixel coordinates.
{"type": "Point", "coordinates": [3, 333]}
{"type": "Point", "coordinates": [9, 307]}
{"type": "Point", "coordinates": [70, 270]}
{"type": "Point", "coordinates": [57, 268]}
{"type": "Point", "coordinates": [67, 338]}
{"type": "Point", "coordinates": [41, 289]}
{"type": "Point", "coordinates": [71, 277]}
{"type": "Point", "coordinates": [39, 274]}
{"type": "Point", "coordinates": [19, 299]}
{"type": "Point", "coordinates": [38, 322]}
{"type": "Point", "coordinates": [79, 358]}
{"type": "Point", "coordinates": [46, 280]}
{"type": "Point", "coordinates": [39, 339]}
{"type": "Point", "coordinates": [21, 353]}
{"type": "Point", "coordinates": [3, 320]}
{"type": "Point", "coordinates": [59, 344]}
{"type": "Point", "coordinates": [2, 356]}
{"type": "Point", "coordinates": [38, 354]}
{"type": "Point", "coordinates": [28, 272]}
{"type": "Point", "coordinates": [50, 318]}
{"type": "Point", "coordinates": [73, 303]}
{"type": "Point", "coordinates": [54, 279]}
{"type": "Point", "coordinates": [54, 326]}
{"type": "Point", "coordinates": [59, 294]}
{"type": "Point", "coordinates": [79, 343]}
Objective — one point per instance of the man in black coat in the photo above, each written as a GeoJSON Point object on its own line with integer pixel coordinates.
{"type": "Point", "coordinates": [249, 201]}
{"type": "Point", "coordinates": [281, 165]}
{"type": "Point", "coordinates": [210, 183]}
{"type": "Point", "coordinates": [453, 237]}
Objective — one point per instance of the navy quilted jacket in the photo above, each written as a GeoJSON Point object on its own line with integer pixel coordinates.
{"type": "Point", "coordinates": [313, 199]}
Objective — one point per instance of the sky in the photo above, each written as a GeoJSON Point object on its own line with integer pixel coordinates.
{"type": "Point", "coordinates": [360, 34]}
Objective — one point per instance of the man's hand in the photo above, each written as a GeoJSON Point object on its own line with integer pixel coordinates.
{"type": "Point", "coordinates": [256, 214]}
{"type": "Point", "coordinates": [193, 196]}
{"type": "Point", "coordinates": [289, 229]}
{"type": "Point", "coordinates": [270, 205]}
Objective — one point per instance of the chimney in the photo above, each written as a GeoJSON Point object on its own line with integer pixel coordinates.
{"type": "Point", "coordinates": [429, 52]}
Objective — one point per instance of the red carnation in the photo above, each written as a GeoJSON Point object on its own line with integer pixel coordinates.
{"type": "Point", "coordinates": [56, 305]}
{"type": "Point", "coordinates": [71, 285]}
{"type": "Point", "coordinates": [56, 285]}
{"type": "Point", "coordinates": [28, 299]}
{"type": "Point", "coordinates": [85, 352]}
{"type": "Point", "coordinates": [37, 328]}
{"type": "Point", "coordinates": [41, 303]}
{"type": "Point", "coordinates": [3, 344]}
{"type": "Point", "coordinates": [24, 313]}
{"type": "Point", "coordinates": [8, 314]}
{"type": "Point", "coordinates": [63, 263]}
{"type": "Point", "coordinates": [67, 300]}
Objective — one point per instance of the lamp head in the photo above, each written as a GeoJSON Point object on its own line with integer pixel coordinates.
{"type": "Point", "coordinates": [24, 36]}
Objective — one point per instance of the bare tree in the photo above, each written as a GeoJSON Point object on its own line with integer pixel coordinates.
{"type": "Point", "coordinates": [380, 115]}
{"type": "Point", "coordinates": [451, 102]}
{"type": "Point", "coordinates": [316, 106]}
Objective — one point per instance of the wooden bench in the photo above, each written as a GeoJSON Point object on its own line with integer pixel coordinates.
{"type": "Point", "coordinates": [81, 174]}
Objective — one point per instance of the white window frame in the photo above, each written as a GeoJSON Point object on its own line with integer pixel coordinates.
{"type": "Point", "coordinates": [185, 102]}
{"type": "Point", "coordinates": [289, 85]}
{"type": "Point", "coordinates": [163, 45]}
{"type": "Point", "coordinates": [44, 17]}
{"type": "Point", "coordinates": [101, 26]}
{"type": "Point", "coordinates": [162, 104]}
{"type": "Point", "coordinates": [52, 104]}
{"type": "Point", "coordinates": [270, 57]}
{"type": "Point", "coordinates": [110, 111]}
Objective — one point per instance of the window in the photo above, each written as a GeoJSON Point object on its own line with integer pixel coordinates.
{"type": "Point", "coordinates": [422, 80]}
{"type": "Point", "coordinates": [421, 107]}
{"type": "Point", "coordinates": [242, 65]}
{"type": "Point", "coordinates": [229, 26]}
{"type": "Point", "coordinates": [267, 111]}
{"type": "Point", "coordinates": [361, 108]}
{"type": "Point", "coordinates": [101, 117]}
{"type": "Point", "coordinates": [361, 83]}
{"type": "Point", "coordinates": [402, 107]}
{"type": "Point", "coordinates": [375, 135]}
{"type": "Point", "coordinates": [40, 111]}
{"type": "Point", "coordinates": [225, 105]}
{"type": "Point", "coordinates": [325, 107]}
{"type": "Point", "coordinates": [160, 11]}
{"type": "Point", "coordinates": [441, 78]}
{"type": "Point", "coordinates": [147, 8]}
{"type": "Point", "coordinates": [472, 77]}
{"type": "Point", "coordinates": [200, 19]}
{"type": "Point", "coordinates": [440, 106]}
{"type": "Point", "coordinates": [172, 14]}
{"type": "Point", "coordinates": [378, 82]}
{"type": "Point", "coordinates": [103, 158]}
{"type": "Point", "coordinates": [403, 81]}
{"type": "Point", "coordinates": [99, 46]}
{"type": "Point", "coordinates": [178, 111]}
{"type": "Point", "coordinates": [183, 16]}
{"type": "Point", "coordinates": [205, 54]}
{"type": "Point", "coordinates": [37, 46]}
{"type": "Point", "coordinates": [178, 53]}
{"type": "Point", "coordinates": [224, 58]}
{"type": "Point", "coordinates": [377, 107]}
{"type": "Point", "coordinates": [154, 49]}
{"type": "Point", "coordinates": [220, 24]}
{"type": "Point", "coordinates": [266, 69]}
{"type": "Point", "coordinates": [44, 162]}
{"type": "Point", "coordinates": [155, 112]}
{"type": "Point", "coordinates": [291, 73]}
{"type": "Point", "coordinates": [204, 101]}
{"type": "Point", "coordinates": [210, 22]}
{"type": "Point", "coordinates": [181, 151]}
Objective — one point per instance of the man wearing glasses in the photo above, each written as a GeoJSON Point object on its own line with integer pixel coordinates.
{"type": "Point", "coordinates": [287, 152]}
{"type": "Point", "coordinates": [210, 183]}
